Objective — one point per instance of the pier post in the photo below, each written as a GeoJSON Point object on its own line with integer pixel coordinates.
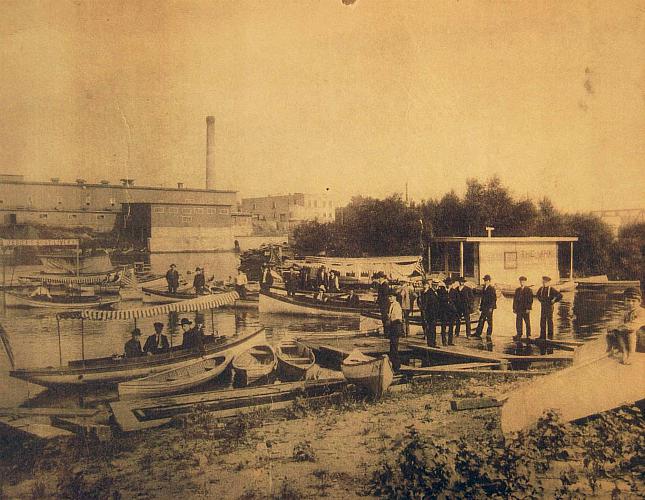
{"type": "Point", "coordinates": [461, 258]}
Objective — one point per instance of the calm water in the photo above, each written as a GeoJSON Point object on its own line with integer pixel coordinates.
{"type": "Point", "coordinates": [34, 333]}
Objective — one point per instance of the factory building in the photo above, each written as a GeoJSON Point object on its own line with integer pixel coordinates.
{"type": "Point", "coordinates": [286, 212]}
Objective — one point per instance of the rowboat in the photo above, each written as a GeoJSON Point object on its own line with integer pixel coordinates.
{"type": "Point", "coordinates": [67, 302]}
{"type": "Point", "coordinates": [152, 296]}
{"type": "Point", "coordinates": [594, 383]}
{"type": "Point", "coordinates": [373, 374]}
{"type": "Point", "coordinates": [302, 305]}
{"type": "Point", "coordinates": [254, 364]}
{"type": "Point", "coordinates": [295, 361]}
{"type": "Point", "coordinates": [114, 369]}
{"type": "Point", "coordinates": [175, 380]}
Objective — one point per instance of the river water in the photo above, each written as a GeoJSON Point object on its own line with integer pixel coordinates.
{"type": "Point", "coordinates": [34, 339]}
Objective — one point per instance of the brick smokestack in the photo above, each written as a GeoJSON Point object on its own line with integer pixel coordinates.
{"type": "Point", "coordinates": [210, 152]}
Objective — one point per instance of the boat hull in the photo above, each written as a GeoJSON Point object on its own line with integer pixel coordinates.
{"type": "Point", "coordinates": [163, 297]}
{"type": "Point", "coordinates": [290, 369]}
{"type": "Point", "coordinates": [249, 371]}
{"type": "Point", "coordinates": [177, 380]}
{"type": "Point", "coordinates": [110, 371]}
{"type": "Point", "coordinates": [281, 304]}
{"type": "Point", "coordinates": [375, 374]}
{"type": "Point", "coordinates": [17, 300]}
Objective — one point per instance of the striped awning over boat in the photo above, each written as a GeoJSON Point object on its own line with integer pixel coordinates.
{"type": "Point", "coordinates": [198, 304]}
{"type": "Point", "coordinates": [84, 280]}
{"type": "Point", "coordinates": [37, 243]}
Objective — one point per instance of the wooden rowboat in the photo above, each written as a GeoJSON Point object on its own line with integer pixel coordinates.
{"type": "Point", "coordinates": [594, 383]}
{"type": "Point", "coordinates": [373, 374]}
{"type": "Point", "coordinates": [152, 296]}
{"type": "Point", "coordinates": [302, 305]}
{"type": "Point", "coordinates": [176, 380]}
{"type": "Point", "coordinates": [254, 364]}
{"type": "Point", "coordinates": [66, 302]}
{"type": "Point", "coordinates": [295, 361]}
{"type": "Point", "coordinates": [114, 369]}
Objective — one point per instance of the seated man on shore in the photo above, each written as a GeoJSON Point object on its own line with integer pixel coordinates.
{"type": "Point", "coordinates": [624, 337]}
{"type": "Point", "coordinates": [133, 346]}
{"type": "Point", "coordinates": [157, 343]}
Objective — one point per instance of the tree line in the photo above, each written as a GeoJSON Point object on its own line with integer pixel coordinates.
{"type": "Point", "coordinates": [380, 227]}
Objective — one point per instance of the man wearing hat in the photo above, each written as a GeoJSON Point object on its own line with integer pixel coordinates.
{"type": "Point", "coordinates": [133, 346]}
{"type": "Point", "coordinates": [428, 302]}
{"type": "Point", "coordinates": [464, 299]}
{"type": "Point", "coordinates": [157, 343]}
{"type": "Point", "coordinates": [192, 336]}
{"type": "Point", "coordinates": [547, 296]}
{"type": "Point", "coordinates": [199, 281]}
{"type": "Point", "coordinates": [625, 337]}
{"type": "Point", "coordinates": [382, 295]}
{"type": "Point", "coordinates": [522, 305]}
{"type": "Point", "coordinates": [406, 298]}
{"type": "Point", "coordinates": [487, 305]}
{"type": "Point", "coordinates": [172, 278]}
{"type": "Point", "coordinates": [447, 311]}
{"type": "Point", "coordinates": [241, 281]}
{"type": "Point", "coordinates": [394, 329]}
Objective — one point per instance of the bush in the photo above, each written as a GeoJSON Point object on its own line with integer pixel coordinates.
{"type": "Point", "coordinates": [303, 452]}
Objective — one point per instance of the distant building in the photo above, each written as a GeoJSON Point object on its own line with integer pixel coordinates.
{"type": "Point", "coordinates": [167, 219]}
{"type": "Point", "coordinates": [290, 210]}
{"type": "Point", "coordinates": [504, 258]}
{"type": "Point", "coordinates": [621, 217]}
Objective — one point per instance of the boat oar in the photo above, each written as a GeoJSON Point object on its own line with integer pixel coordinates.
{"type": "Point", "coordinates": [7, 346]}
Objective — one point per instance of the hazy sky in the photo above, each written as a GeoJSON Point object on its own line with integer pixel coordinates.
{"type": "Point", "coordinates": [310, 95]}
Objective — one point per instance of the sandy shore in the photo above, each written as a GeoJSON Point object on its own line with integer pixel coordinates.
{"type": "Point", "coordinates": [306, 452]}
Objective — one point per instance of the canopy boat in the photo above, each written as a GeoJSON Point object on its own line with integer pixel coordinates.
{"type": "Point", "coordinates": [254, 364]}
{"type": "Point", "coordinates": [373, 374]}
{"type": "Point", "coordinates": [271, 302]}
{"type": "Point", "coordinates": [295, 361]}
{"type": "Point", "coordinates": [114, 369]}
{"type": "Point", "coordinates": [179, 379]}
{"type": "Point", "coordinates": [70, 302]}
{"type": "Point", "coordinates": [73, 263]}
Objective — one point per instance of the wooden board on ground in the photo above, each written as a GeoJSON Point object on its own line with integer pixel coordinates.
{"type": "Point", "coordinates": [52, 412]}
{"type": "Point", "coordinates": [412, 370]}
{"type": "Point", "coordinates": [595, 383]}
{"type": "Point", "coordinates": [32, 427]}
{"type": "Point", "coordinates": [474, 403]}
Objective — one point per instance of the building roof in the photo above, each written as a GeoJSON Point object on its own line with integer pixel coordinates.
{"type": "Point", "coordinates": [504, 239]}
{"type": "Point", "coordinates": [3, 180]}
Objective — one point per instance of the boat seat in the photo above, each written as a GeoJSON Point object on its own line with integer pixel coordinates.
{"type": "Point", "coordinates": [298, 360]}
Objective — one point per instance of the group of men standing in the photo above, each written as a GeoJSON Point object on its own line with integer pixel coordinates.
{"type": "Point", "coordinates": [546, 295]}
{"type": "Point", "coordinates": [157, 343]}
{"type": "Point", "coordinates": [199, 280]}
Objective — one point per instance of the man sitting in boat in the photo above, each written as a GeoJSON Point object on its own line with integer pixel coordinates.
{"type": "Point", "coordinates": [199, 281]}
{"type": "Point", "coordinates": [241, 281]}
{"type": "Point", "coordinates": [41, 292]}
{"type": "Point", "coordinates": [624, 337]}
{"type": "Point", "coordinates": [321, 295]}
{"type": "Point", "coordinates": [133, 346]}
{"type": "Point", "coordinates": [192, 336]}
{"type": "Point", "coordinates": [156, 343]}
{"type": "Point", "coordinates": [353, 300]}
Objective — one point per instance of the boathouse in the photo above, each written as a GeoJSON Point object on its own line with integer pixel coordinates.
{"type": "Point", "coordinates": [504, 258]}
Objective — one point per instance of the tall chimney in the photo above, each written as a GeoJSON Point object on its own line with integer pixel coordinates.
{"type": "Point", "coordinates": [210, 152]}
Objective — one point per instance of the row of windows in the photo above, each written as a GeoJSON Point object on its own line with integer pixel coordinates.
{"type": "Point", "coordinates": [71, 216]}
{"type": "Point", "coordinates": [196, 210]}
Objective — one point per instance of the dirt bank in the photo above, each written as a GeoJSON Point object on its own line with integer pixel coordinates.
{"type": "Point", "coordinates": [332, 450]}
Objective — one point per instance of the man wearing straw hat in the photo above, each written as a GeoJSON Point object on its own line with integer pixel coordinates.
{"type": "Point", "coordinates": [625, 337]}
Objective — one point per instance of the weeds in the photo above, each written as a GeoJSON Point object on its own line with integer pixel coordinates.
{"type": "Point", "coordinates": [303, 452]}
{"type": "Point", "coordinates": [38, 490]}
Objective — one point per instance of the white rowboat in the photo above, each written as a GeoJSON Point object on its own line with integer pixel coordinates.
{"type": "Point", "coordinates": [373, 374]}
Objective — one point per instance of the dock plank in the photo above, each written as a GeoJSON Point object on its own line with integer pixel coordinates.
{"type": "Point", "coordinates": [51, 412]}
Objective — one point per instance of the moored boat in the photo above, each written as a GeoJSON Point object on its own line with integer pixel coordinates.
{"type": "Point", "coordinates": [178, 379]}
{"type": "Point", "coordinates": [254, 364]}
{"type": "Point", "coordinates": [73, 264]}
{"type": "Point", "coordinates": [295, 361]}
{"type": "Point", "coordinates": [111, 370]}
{"type": "Point", "coordinates": [374, 374]}
{"type": "Point", "coordinates": [304, 305]}
{"type": "Point", "coordinates": [61, 302]}
{"type": "Point", "coordinates": [151, 296]}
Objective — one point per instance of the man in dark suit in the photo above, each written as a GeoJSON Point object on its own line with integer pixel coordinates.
{"type": "Point", "coordinates": [172, 278]}
{"type": "Point", "coordinates": [463, 304]}
{"type": "Point", "coordinates": [199, 281]}
{"type": "Point", "coordinates": [133, 346]}
{"type": "Point", "coordinates": [547, 296]}
{"type": "Point", "coordinates": [382, 296]}
{"type": "Point", "coordinates": [192, 336]}
{"type": "Point", "coordinates": [156, 343]}
{"type": "Point", "coordinates": [428, 302]}
{"type": "Point", "coordinates": [447, 311]}
{"type": "Point", "coordinates": [522, 305]}
{"type": "Point", "coordinates": [487, 305]}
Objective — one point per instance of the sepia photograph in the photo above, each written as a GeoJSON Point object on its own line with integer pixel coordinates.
{"type": "Point", "coordinates": [303, 249]}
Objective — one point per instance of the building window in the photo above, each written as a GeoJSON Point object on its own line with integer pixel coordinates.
{"type": "Point", "coordinates": [199, 211]}
{"type": "Point", "coordinates": [510, 260]}
{"type": "Point", "coordinates": [223, 211]}
{"type": "Point", "coordinates": [88, 200]}
{"type": "Point", "coordinates": [255, 206]}
{"type": "Point", "coordinates": [42, 216]}
{"type": "Point", "coordinates": [273, 205]}
{"type": "Point", "coordinates": [211, 211]}
{"type": "Point", "coordinates": [112, 201]}
{"type": "Point", "coordinates": [100, 217]}
{"type": "Point", "coordinates": [1, 202]}
{"type": "Point", "coordinates": [173, 210]}
{"type": "Point", "coordinates": [158, 210]}
{"type": "Point", "coordinates": [186, 210]}
{"type": "Point", "coordinates": [186, 219]}
{"type": "Point", "coordinates": [71, 216]}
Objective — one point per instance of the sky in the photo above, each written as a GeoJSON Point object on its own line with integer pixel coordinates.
{"type": "Point", "coordinates": [315, 95]}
